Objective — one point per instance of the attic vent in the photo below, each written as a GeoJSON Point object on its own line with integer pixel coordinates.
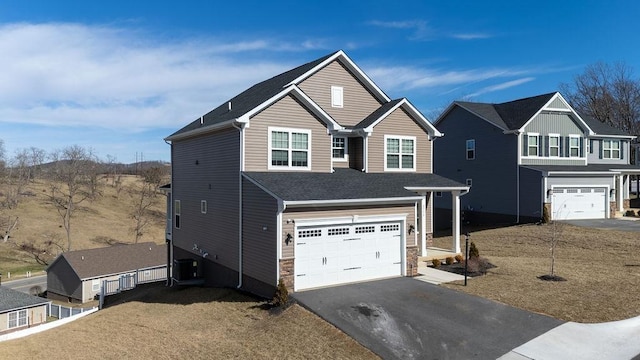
{"type": "Point", "coordinates": [82, 257]}
{"type": "Point", "coordinates": [201, 120]}
{"type": "Point", "coordinates": [229, 105]}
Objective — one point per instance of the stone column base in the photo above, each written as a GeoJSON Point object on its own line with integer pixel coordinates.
{"type": "Point", "coordinates": [412, 261]}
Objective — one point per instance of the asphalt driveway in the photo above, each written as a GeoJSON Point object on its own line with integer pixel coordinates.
{"type": "Point", "coordinates": [402, 318]}
{"type": "Point", "coordinates": [608, 224]}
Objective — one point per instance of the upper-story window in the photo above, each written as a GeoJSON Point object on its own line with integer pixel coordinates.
{"type": "Point", "coordinates": [471, 149]}
{"type": "Point", "coordinates": [337, 93]}
{"type": "Point", "coordinates": [400, 153]}
{"type": "Point", "coordinates": [554, 145]}
{"type": "Point", "coordinates": [339, 148]}
{"type": "Point", "coordinates": [176, 210]}
{"type": "Point", "coordinates": [533, 143]}
{"type": "Point", "coordinates": [611, 149]}
{"type": "Point", "coordinates": [574, 146]}
{"type": "Point", "coordinates": [289, 148]}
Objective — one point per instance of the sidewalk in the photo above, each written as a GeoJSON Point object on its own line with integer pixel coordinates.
{"type": "Point", "coordinates": [435, 276]}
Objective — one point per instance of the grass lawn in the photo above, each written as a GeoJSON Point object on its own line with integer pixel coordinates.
{"type": "Point", "coordinates": [193, 323]}
{"type": "Point", "coordinates": [602, 269]}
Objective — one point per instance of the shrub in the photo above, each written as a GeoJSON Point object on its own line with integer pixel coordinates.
{"type": "Point", "coordinates": [478, 265]}
{"type": "Point", "coordinates": [629, 213]}
{"type": "Point", "coordinates": [473, 251]}
{"type": "Point", "coordinates": [449, 260]}
{"type": "Point", "coordinates": [281, 297]}
{"type": "Point", "coordinates": [459, 258]}
{"type": "Point", "coordinates": [436, 263]}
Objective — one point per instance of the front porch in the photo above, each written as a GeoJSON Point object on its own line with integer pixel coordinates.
{"type": "Point", "coordinates": [438, 253]}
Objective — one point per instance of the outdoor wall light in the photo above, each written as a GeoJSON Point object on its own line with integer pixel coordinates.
{"type": "Point", "coordinates": [288, 239]}
{"type": "Point", "coordinates": [411, 229]}
{"type": "Point", "coordinates": [612, 192]}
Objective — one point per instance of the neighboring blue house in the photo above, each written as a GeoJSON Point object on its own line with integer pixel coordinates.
{"type": "Point", "coordinates": [523, 156]}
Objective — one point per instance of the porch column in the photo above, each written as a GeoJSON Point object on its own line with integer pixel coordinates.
{"type": "Point", "coordinates": [423, 224]}
{"type": "Point", "coordinates": [625, 194]}
{"type": "Point", "coordinates": [619, 192]}
{"type": "Point", "coordinates": [455, 221]}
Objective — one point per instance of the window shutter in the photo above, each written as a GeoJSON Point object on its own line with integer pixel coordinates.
{"type": "Point", "coordinates": [525, 143]}
{"type": "Point", "coordinates": [600, 149]}
{"type": "Point", "coordinates": [590, 146]}
{"type": "Point", "coordinates": [581, 147]}
{"type": "Point", "coordinates": [622, 144]}
{"type": "Point", "coordinates": [546, 145]}
{"type": "Point", "coordinates": [567, 147]}
{"type": "Point", "coordinates": [540, 148]}
{"type": "Point", "coordinates": [561, 145]}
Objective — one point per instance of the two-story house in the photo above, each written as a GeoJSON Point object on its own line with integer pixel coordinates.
{"type": "Point", "coordinates": [314, 176]}
{"type": "Point", "coordinates": [524, 156]}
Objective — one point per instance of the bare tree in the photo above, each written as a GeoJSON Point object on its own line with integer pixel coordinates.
{"type": "Point", "coordinates": [69, 178]}
{"type": "Point", "coordinates": [43, 252]}
{"type": "Point", "coordinates": [8, 225]}
{"type": "Point", "coordinates": [608, 93]}
{"type": "Point", "coordinates": [142, 195]}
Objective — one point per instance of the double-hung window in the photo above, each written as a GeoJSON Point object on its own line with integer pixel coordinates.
{"type": "Point", "coordinates": [611, 149]}
{"type": "Point", "coordinates": [289, 149]}
{"type": "Point", "coordinates": [533, 143]}
{"type": "Point", "coordinates": [17, 319]}
{"type": "Point", "coordinates": [471, 149]}
{"type": "Point", "coordinates": [400, 153]}
{"type": "Point", "coordinates": [554, 145]}
{"type": "Point", "coordinates": [339, 148]}
{"type": "Point", "coordinates": [574, 146]}
{"type": "Point", "coordinates": [176, 211]}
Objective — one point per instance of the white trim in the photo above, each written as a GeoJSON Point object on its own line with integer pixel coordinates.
{"type": "Point", "coordinates": [611, 142]}
{"type": "Point", "coordinates": [604, 136]}
{"type": "Point", "coordinates": [607, 198]}
{"type": "Point", "coordinates": [290, 149]}
{"type": "Point", "coordinates": [203, 206]}
{"type": "Point", "coordinates": [365, 152]}
{"type": "Point", "coordinates": [354, 219]}
{"type": "Point", "coordinates": [426, 189]}
{"type": "Point", "coordinates": [201, 131]}
{"type": "Point", "coordinates": [370, 201]}
{"type": "Point", "coordinates": [537, 137]}
{"type": "Point", "coordinates": [426, 124]}
{"type": "Point", "coordinates": [557, 95]}
{"type": "Point", "coordinates": [400, 139]}
{"type": "Point", "coordinates": [553, 135]}
{"type": "Point", "coordinates": [279, 233]}
{"type": "Point", "coordinates": [346, 148]}
{"type": "Point", "coordinates": [574, 136]}
{"type": "Point", "coordinates": [337, 96]}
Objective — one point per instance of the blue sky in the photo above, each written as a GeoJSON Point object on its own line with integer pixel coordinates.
{"type": "Point", "coordinates": [119, 76]}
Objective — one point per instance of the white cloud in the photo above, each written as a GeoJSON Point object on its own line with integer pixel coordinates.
{"type": "Point", "coordinates": [502, 86]}
{"type": "Point", "coordinates": [421, 30]}
{"type": "Point", "coordinates": [470, 36]}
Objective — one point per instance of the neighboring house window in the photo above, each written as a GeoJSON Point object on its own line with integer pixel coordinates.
{"type": "Point", "coordinates": [203, 206]}
{"type": "Point", "coordinates": [400, 153]}
{"type": "Point", "coordinates": [176, 211]}
{"type": "Point", "coordinates": [471, 149]}
{"type": "Point", "coordinates": [554, 145]}
{"type": "Point", "coordinates": [339, 148]}
{"type": "Point", "coordinates": [95, 285]}
{"type": "Point", "coordinates": [533, 143]}
{"type": "Point", "coordinates": [574, 146]}
{"type": "Point", "coordinates": [337, 93]}
{"type": "Point", "coordinates": [610, 149]}
{"type": "Point", "coordinates": [289, 148]}
{"type": "Point", "coordinates": [469, 182]}
{"type": "Point", "coordinates": [17, 318]}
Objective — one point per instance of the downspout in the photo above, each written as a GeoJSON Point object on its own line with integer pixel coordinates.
{"type": "Point", "coordinates": [282, 206]}
{"type": "Point", "coordinates": [170, 241]}
{"type": "Point", "coordinates": [519, 142]}
{"type": "Point", "coordinates": [241, 139]}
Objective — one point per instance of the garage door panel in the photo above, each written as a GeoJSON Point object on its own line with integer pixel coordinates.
{"type": "Point", "coordinates": [578, 203]}
{"type": "Point", "coordinates": [328, 255]}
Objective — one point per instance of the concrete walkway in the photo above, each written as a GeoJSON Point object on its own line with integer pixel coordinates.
{"type": "Point", "coordinates": [435, 276]}
{"type": "Point", "coordinates": [611, 340]}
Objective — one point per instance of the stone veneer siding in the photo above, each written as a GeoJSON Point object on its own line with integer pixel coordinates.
{"type": "Point", "coordinates": [286, 273]}
{"type": "Point", "coordinates": [626, 203]}
{"type": "Point", "coordinates": [412, 261]}
{"type": "Point", "coordinates": [429, 239]}
{"type": "Point", "coordinates": [612, 207]}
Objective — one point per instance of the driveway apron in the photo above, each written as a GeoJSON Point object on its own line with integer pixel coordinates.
{"type": "Point", "coordinates": [402, 318]}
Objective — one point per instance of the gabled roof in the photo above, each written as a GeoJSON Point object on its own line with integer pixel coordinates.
{"type": "Point", "coordinates": [11, 300]}
{"type": "Point", "coordinates": [346, 184]}
{"type": "Point", "coordinates": [92, 263]}
{"type": "Point", "coordinates": [385, 109]}
{"type": "Point", "coordinates": [600, 128]}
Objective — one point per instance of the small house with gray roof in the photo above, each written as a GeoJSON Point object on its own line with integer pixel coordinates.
{"type": "Point", "coordinates": [76, 276]}
{"type": "Point", "coordinates": [19, 310]}
{"type": "Point", "coordinates": [530, 156]}
{"type": "Point", "coordinates": [314, 176]}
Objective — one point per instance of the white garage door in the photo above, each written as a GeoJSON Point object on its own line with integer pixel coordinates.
{"type": "Point", "coordinates": [336, 254]}
{"type": "Point", "coordinates": [573, 203]}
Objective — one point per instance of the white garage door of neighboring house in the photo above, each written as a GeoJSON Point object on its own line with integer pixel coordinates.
{"type": "Point", "coordinates": [571, 203]}
{"type": "Point", "coordinates": [336, 254]}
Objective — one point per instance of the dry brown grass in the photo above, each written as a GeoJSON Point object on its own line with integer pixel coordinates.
{"type": "Point", "coordinates": [195, 323]}
{"type": "Point", "coordinates": [602, 268]}
{"type": "Point", "coordinates": [105, 218]}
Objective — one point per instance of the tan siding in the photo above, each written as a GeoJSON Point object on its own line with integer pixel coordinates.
{"type": "Point", "coordinates": [399, 123]}
{"type": "Point", "coordinates": [36, 315]}
{"type": "Point", "coordinates": [289, 113]}
{"type": "Point", "coordinates": [357, 100]}
{"type": "Point", "coordinates": [288, 227]}
{"type": "Point", "coordinates": [259, 229]}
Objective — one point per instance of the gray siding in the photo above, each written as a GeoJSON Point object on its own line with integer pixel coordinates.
{"type": "Point", "coordinates": [62, 280]}
{"type": "Point", "coordinates": [593, 156]}
{"type": "Point", "coordinates": [554, 123]}
{"type": "Point", "coordinates": [546, 123]}
{"type": "Point", "coordinates": [357, 100]}
{"type": "Point", "coordinates": [557, 104]}
{"type": "Point", "coordinates": [286, 113]}
{"type": "Point", "coordinates": [531, 193]}
{"type": "Point", "coordinates": [207, 168]}
{"type": "Point", "coordinates": [402, 124]}
{"type": "Point", "coordinates": [494, 170]}
{"type": "Point", "coordinates": [259, 233]}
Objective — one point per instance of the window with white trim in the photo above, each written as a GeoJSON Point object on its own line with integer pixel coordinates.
{"type": "Point", "coordinates": [339, 148]}
{"type": "Point", "coordinates": [203, 206]}
{"type": "Point", "coordinates": [95, 285]}
{"type": "Point", "coordinates": [471, 149]}
{"type": "Point", "coordinates": [469, 182]}
{"type": "Point", "coordinates": [611, 149]}
{"type": "Point", "coordinates": [400, 153]}
{"type": "Point", "coordinates": [554, 145]}
{"type": "Point", "coordinates": [17, 319]}
{"type": "Point", "coordinates": [289, 148]}
{"type": "Point", "coordinates": [532, 144]}
{"type": "Point", "coordinates": [337, 96]}
{"type": "Point", "coordinates": [176, 211]}
{"type": "Point", "coordinates": [574, 146]}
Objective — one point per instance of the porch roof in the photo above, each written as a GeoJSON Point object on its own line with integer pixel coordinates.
{"type": "Point", "coordinates": [348, 184]}
{"type": "Point", "coordinates": [605, 169]}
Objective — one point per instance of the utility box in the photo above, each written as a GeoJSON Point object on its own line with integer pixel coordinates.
{"type": "Point", "coordinates": [185, 269]}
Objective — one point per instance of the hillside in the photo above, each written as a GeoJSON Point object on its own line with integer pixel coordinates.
{"type": "Point", "coordinates": [103, 221]}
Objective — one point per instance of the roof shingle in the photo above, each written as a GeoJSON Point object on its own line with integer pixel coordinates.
{"type": "Point", "coordinates": [12, 299]}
